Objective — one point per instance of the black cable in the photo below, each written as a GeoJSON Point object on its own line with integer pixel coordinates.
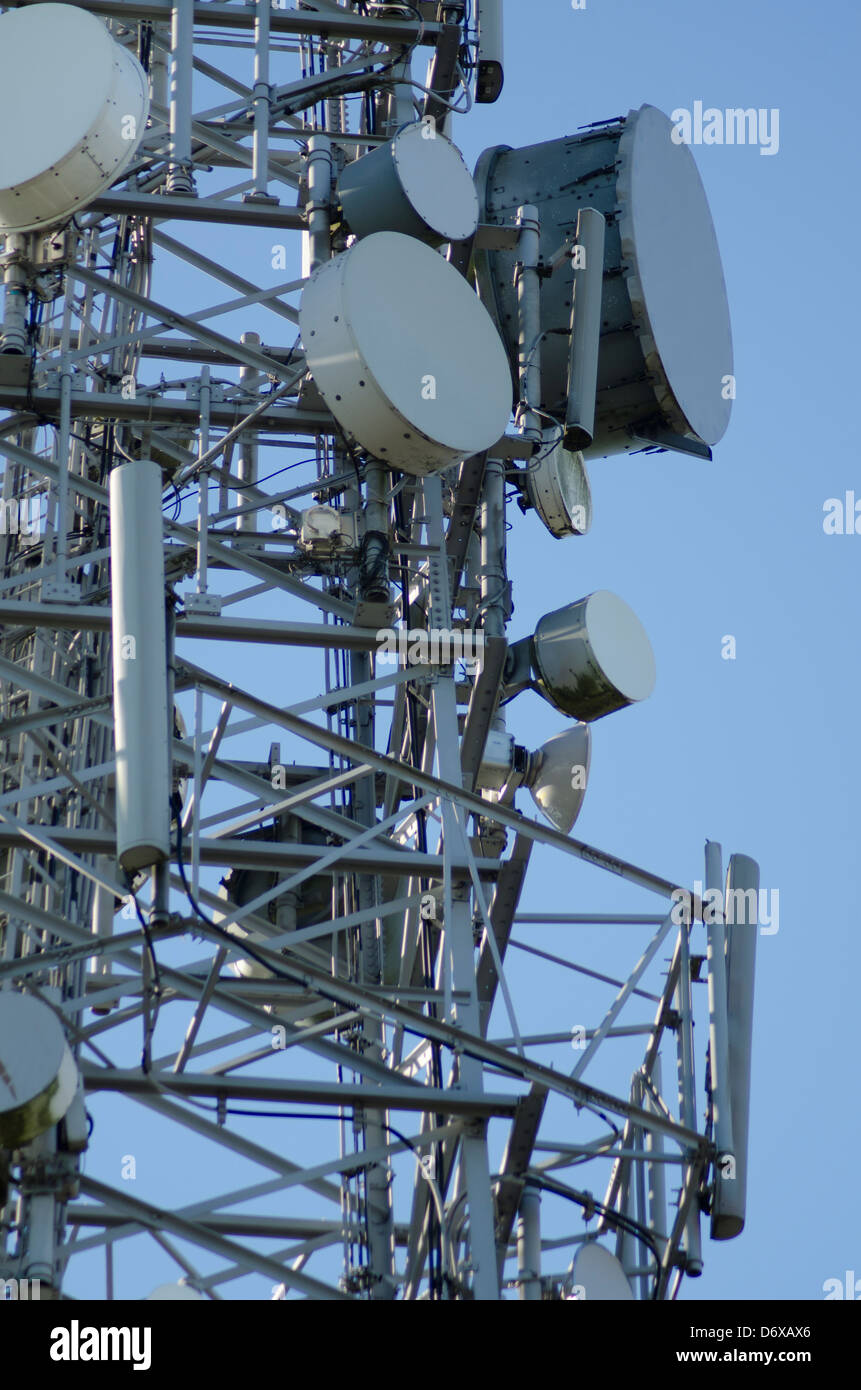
{"type": "Point", "coordinates": [214, 487]}
{"type": "Point", "coordinates": [267, 964]}
{"type": "Point", "coordinates": [145, 44]}
{"type": "Point", "coordinates": [156, 990]}
{"type": "Point", "coordinates": [373, 580]}
{"type": "Point", "coordinates": [33, 327]}
{"type": "Point", "coordinates": [177, 501]}
{"type": "Point", "coordinates": [437, 1278]}
{"type": "Point", "coordinates": [583, 1199]}
{"type": "Point", "coordinates": [614, 1218]}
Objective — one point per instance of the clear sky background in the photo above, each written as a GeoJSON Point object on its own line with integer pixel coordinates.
{"type": "Point", "coordinates": [761, 752]}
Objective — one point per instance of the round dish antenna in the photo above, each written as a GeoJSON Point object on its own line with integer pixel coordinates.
{"type": "Point", "coordinates": [404, 354]}
{"type": "Point", "coordinates": [558, 488]}
{"type": "Point", "coordinates": [593, 657]}
{"type": "Point", "coordinates": [78, 127]}
{"type": "Point", "coordinates": [417, 183]}
{"type": "Point", "coordinates": [665, 348]}
{"type": "Point", "coordinates": [38, 1076]}
{"type": "Point", "coordinates": [600, 1276]}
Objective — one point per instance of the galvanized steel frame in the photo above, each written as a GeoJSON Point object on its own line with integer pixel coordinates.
{"type": "Point", "coordinates": [463, 1210]}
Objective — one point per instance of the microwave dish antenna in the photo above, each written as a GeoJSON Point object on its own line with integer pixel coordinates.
{"type": "Point", "coordinates": [665, 347]}
{"type": "Point", "coordinates": [73, 109]}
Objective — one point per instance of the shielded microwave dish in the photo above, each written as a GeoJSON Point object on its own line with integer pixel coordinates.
{"type": "Point", "coordinates": [72, 132]}
{"type": "Point", "coordinates": [593, 657]}
{"type": "Point", "coordinates": [665, 353]}
{"type": "Point", "coordinates": [404, 354]}
{"type": "Point", "coordinates": [416, 183]}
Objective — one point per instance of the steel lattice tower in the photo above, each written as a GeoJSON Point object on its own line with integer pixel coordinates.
{"type": "Point", "coordinates": [328, 938]}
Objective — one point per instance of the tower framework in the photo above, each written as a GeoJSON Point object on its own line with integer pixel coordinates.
{"type": "Point", "coordinates": [311, 998]}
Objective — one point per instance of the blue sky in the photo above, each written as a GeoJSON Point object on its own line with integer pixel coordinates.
{"type": "Point", "coordinates": [759, 752]}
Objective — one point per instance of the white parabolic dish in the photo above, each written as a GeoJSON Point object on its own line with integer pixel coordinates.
{"type": "Point", "coordinates": [38, 1076]}
{"type": "Point", "coordinates": [174, 1293]}
{"type": "Point", "coordinates": [600, 1275]}
{"type": "Point", "coordinates": [406, 357]}
{"type": "Point", "coordinates": [594, 657]}
{"type": "Point", "coordinates": [674, 276]}
{"type": "Point", "coordinates": [620, 645]}
{"type": "Point", "coordinates": [555, 790]}
{"type": "Point", "coordinates": [69, 134]}
{"type": "Point", "coordinates": [558, 487]}
{"type": "Point", "coordinates": [436, 181]}
{"type": "Point", "coordinates": [416, 183]}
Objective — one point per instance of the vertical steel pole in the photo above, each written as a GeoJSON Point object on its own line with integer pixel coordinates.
{"type": "Point", "coordinates": [687, 1093]}
{"type": "Point", "coordinates": [400, 104]}
{"type": "Point", "coordinates": [197, 792]}
{"type": "Point", "coordinates": [102, 910]}
{"type": "Point", "coordinates": [529, 1245]}
{"type": "Point", "coordinates": [38, 1207]}
{"type": "Point", "coordinates": [493, 581]}
{"type": "Point", "coordinates": [376, 502]}
{"type": "Point", "coordinates": [261, 96]}
{"type": "Point", "coordinates": [529, 322]}
{"type": "Point", "coordinates": [639, 1202]}
{"type": "Point", "coordinates": [626, 1245]}
{"type": "Point", "coordinates": [60, 589]}
{"type": "Point", "coordinates": [381, 1247]}
{"type": "Point", "coordinates": [180, 178]}
{"type": "Point", "coordinates": [161, 871]}
{"type": "Point", "coordinates": [249, 379]}
{"type": "Point", "coordinates": [458, 939]}
{"type": "Point", "coordinates": [657, 1195]}
{"type": "Point", "coordinates": [14, 337]}
{"type": "Point", "coordinates": [319, 201]}
{"type": "Point", "coordinates": [203, 481]}
{"type": "Point", "coordinates": [371, 1123]}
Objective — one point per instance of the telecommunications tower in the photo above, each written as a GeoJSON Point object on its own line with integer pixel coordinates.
{"type": "Point", "coordinates": [275, 364]}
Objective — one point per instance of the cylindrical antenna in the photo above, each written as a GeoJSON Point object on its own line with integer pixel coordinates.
{"type": "Point", "coordinates": [141, 730]}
